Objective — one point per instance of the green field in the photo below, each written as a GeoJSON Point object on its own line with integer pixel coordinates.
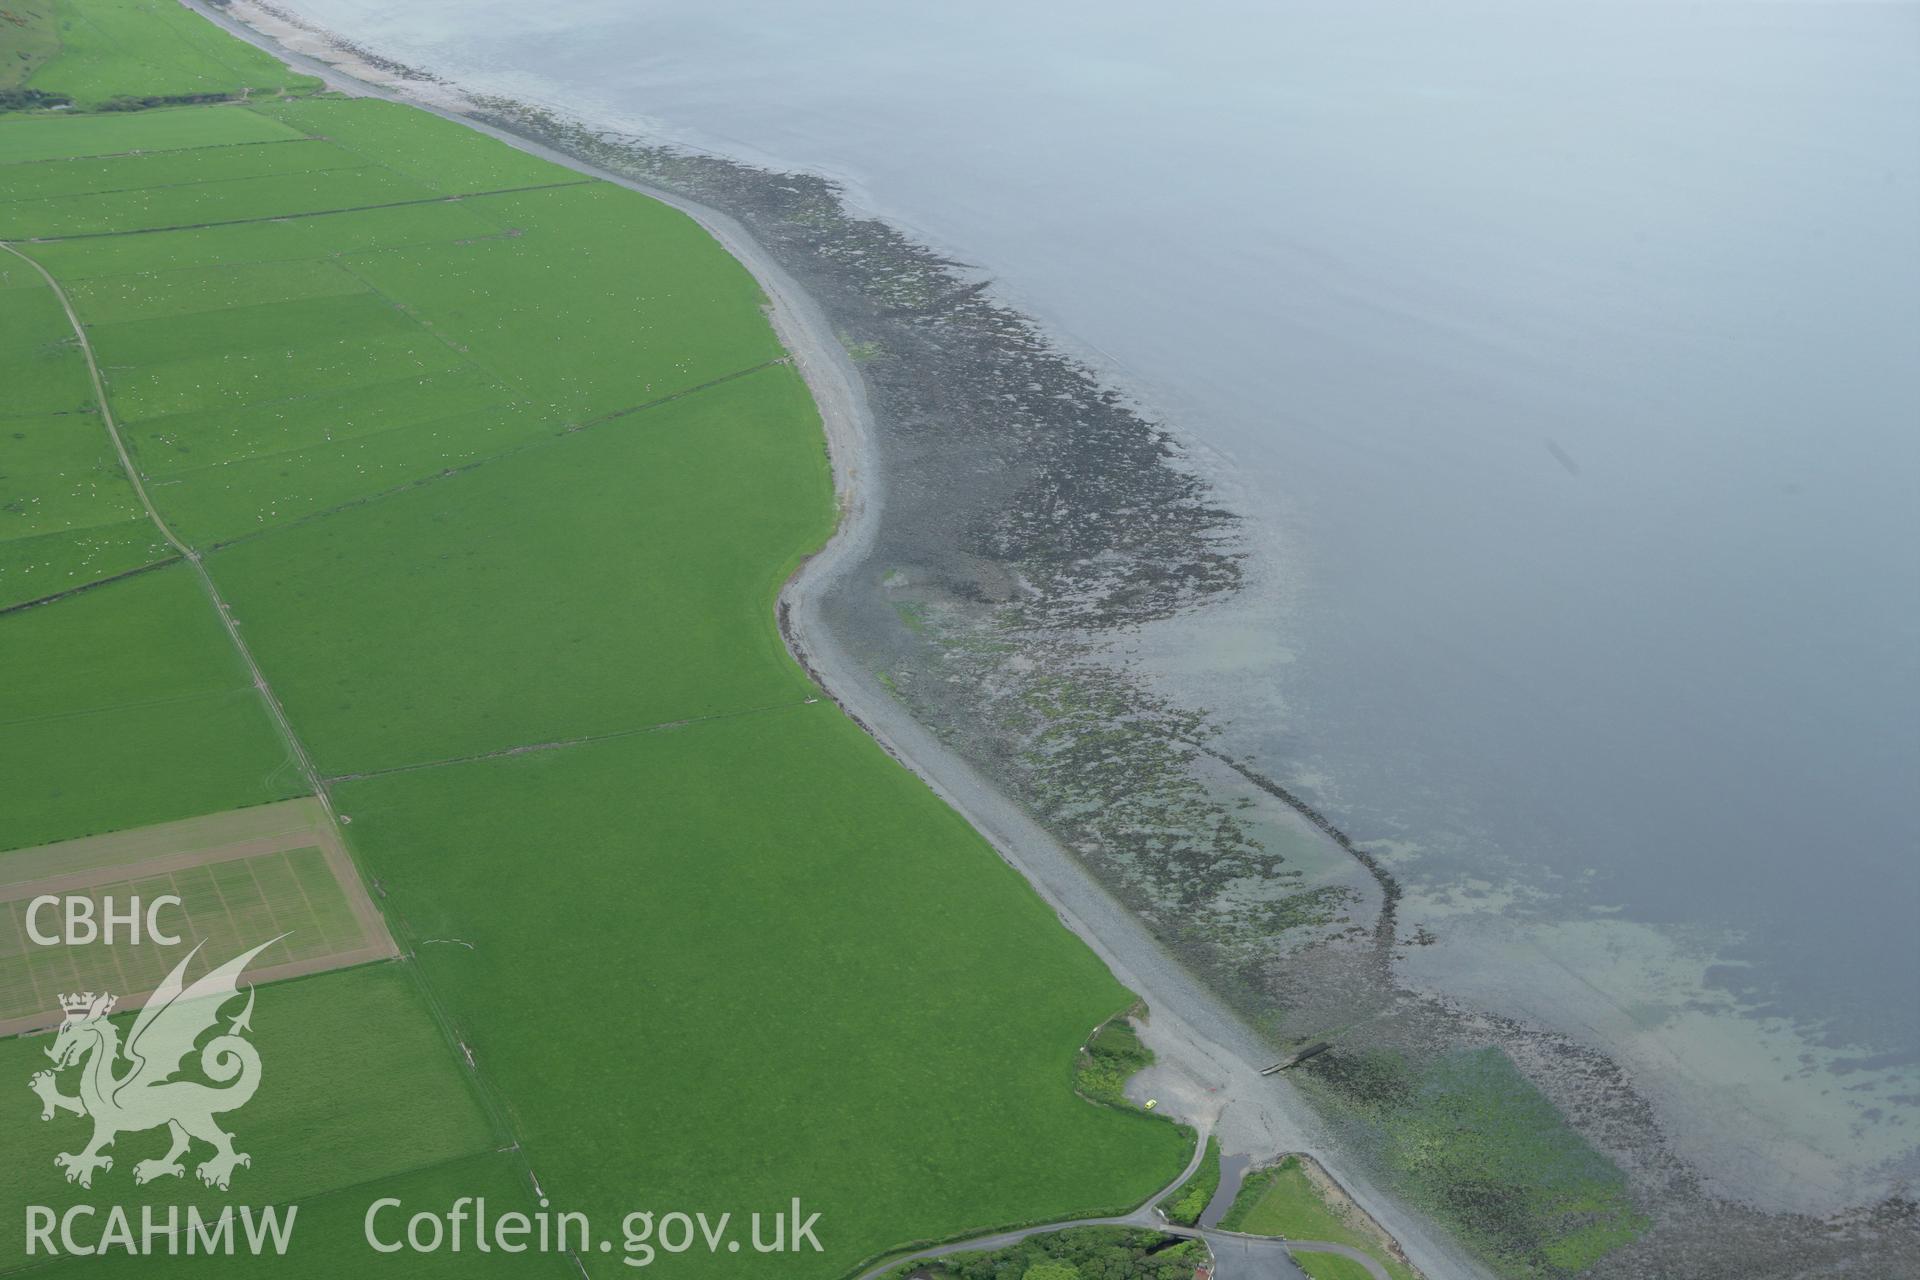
{"type": "Point", "coordinates": [772, 986]}
{"type": "Point", "coordinates": [24, 139]}
{"type": "Point", "coordinates": [133, 52]}
{"type": "Point", "coordinates": [329, 1228]}
{"type": "Point", "coordinates": [1330, 1266]}
{"type": "Point", "coordinates": [29, 39]}
{"type": "Point", "coordinates": [500, 490]}
{"type": "Point", "coordinates": [294, 191]}
{"type": "Point", "coordinates": [390, 619]}
{"type": "Point", "coordinates": [391, 135]}
{"type": "Point", "coordinates": [370, 1090]}
{"type": "Point", "coordinates": [67, 512]}
{"type": "Point", "coordinates": [130, 708]}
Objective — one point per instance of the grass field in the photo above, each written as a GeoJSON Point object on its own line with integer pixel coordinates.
{"type": "Point", "coordinates": [67, 513]}
{"type": "Point", "coordinates": [601, 302]}
{"type": "Point", "coordinates": [1284, 1201]}
{"type": "Point", "coordinates": [772, 985]}
{"type": "Point", "coordinates": [127, 51]}
{"type": "Point", "coordinates": [513, 475]}
{"type": "Point", "coordinates": [437, 152]}
{"type": "Point", "coordinates": [387, 619]}
{"type": "Point", "coordinates": [29, 38]}
{"type": "Point", "coordinates": [1330, 1266]}
{"type": "Point", "coordinates": [241, 878]}
{"type": "Point", "coordinates": [357, 1084]}
{"type": "Point", "coordinates": [26, 139]}
{"type": "Point", "coordinates": [129, 709]}
{"type": "Point", "coordinates": [330, 1229]}
{"type": "Point", "coordinates": [270, 195]}
{"type": "Point", "coordinates": [37, 567]}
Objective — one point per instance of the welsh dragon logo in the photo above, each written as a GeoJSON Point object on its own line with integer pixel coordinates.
{"type": "Point", "coordinates": [126, 1089]}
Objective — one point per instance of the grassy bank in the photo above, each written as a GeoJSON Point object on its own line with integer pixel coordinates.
{"type": "Point", "coordinates": [1330, 1266]}
{"type": "Point", "coordinates": [1287, 1202]}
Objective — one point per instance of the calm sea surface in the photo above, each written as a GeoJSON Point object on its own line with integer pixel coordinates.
{"type": "Point", "coordinates": [1567, 359]}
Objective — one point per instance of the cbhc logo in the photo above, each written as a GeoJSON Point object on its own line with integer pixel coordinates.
{"type": "Point", "coordinates": [80, 923]}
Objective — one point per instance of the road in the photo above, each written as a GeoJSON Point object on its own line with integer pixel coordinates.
{"type": "Point", "coordinates": [1240, 1257]}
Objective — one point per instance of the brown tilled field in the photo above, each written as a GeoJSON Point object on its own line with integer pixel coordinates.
{"type": "Point", "coordinates": [242, 877]}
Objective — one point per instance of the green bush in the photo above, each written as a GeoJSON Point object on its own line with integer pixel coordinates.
{"type": "Point", "coordinates": [1053, 1271]}
{"type": "Point", "coordinates": [1187, 1204]}
{"type": "Point", "coordinates": [1113, 1056]}
{"type": "Point", "coordinates": [1078, 1253]}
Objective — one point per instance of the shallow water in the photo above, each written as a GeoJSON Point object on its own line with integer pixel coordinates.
{"type": "Point", "coordinates": [1565, 358]}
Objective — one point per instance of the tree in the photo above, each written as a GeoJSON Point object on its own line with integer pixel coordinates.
{"type": "Point", "coordinates": [1052, 1271]}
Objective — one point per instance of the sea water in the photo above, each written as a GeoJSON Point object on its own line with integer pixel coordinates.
{"type": "Point", "coordinates": [1565, 359]}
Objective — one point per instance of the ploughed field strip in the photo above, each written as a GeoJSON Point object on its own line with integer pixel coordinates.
{"type": "Point", "coordinates": [241, 877]}
{"type": "Point", "coordinates": [486, 457]}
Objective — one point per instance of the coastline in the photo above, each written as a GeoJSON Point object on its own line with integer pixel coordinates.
{"type": "Point", "coordinates": [1207, 1057]}
{"type": "Point", "coordinates": [1151, 905]}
